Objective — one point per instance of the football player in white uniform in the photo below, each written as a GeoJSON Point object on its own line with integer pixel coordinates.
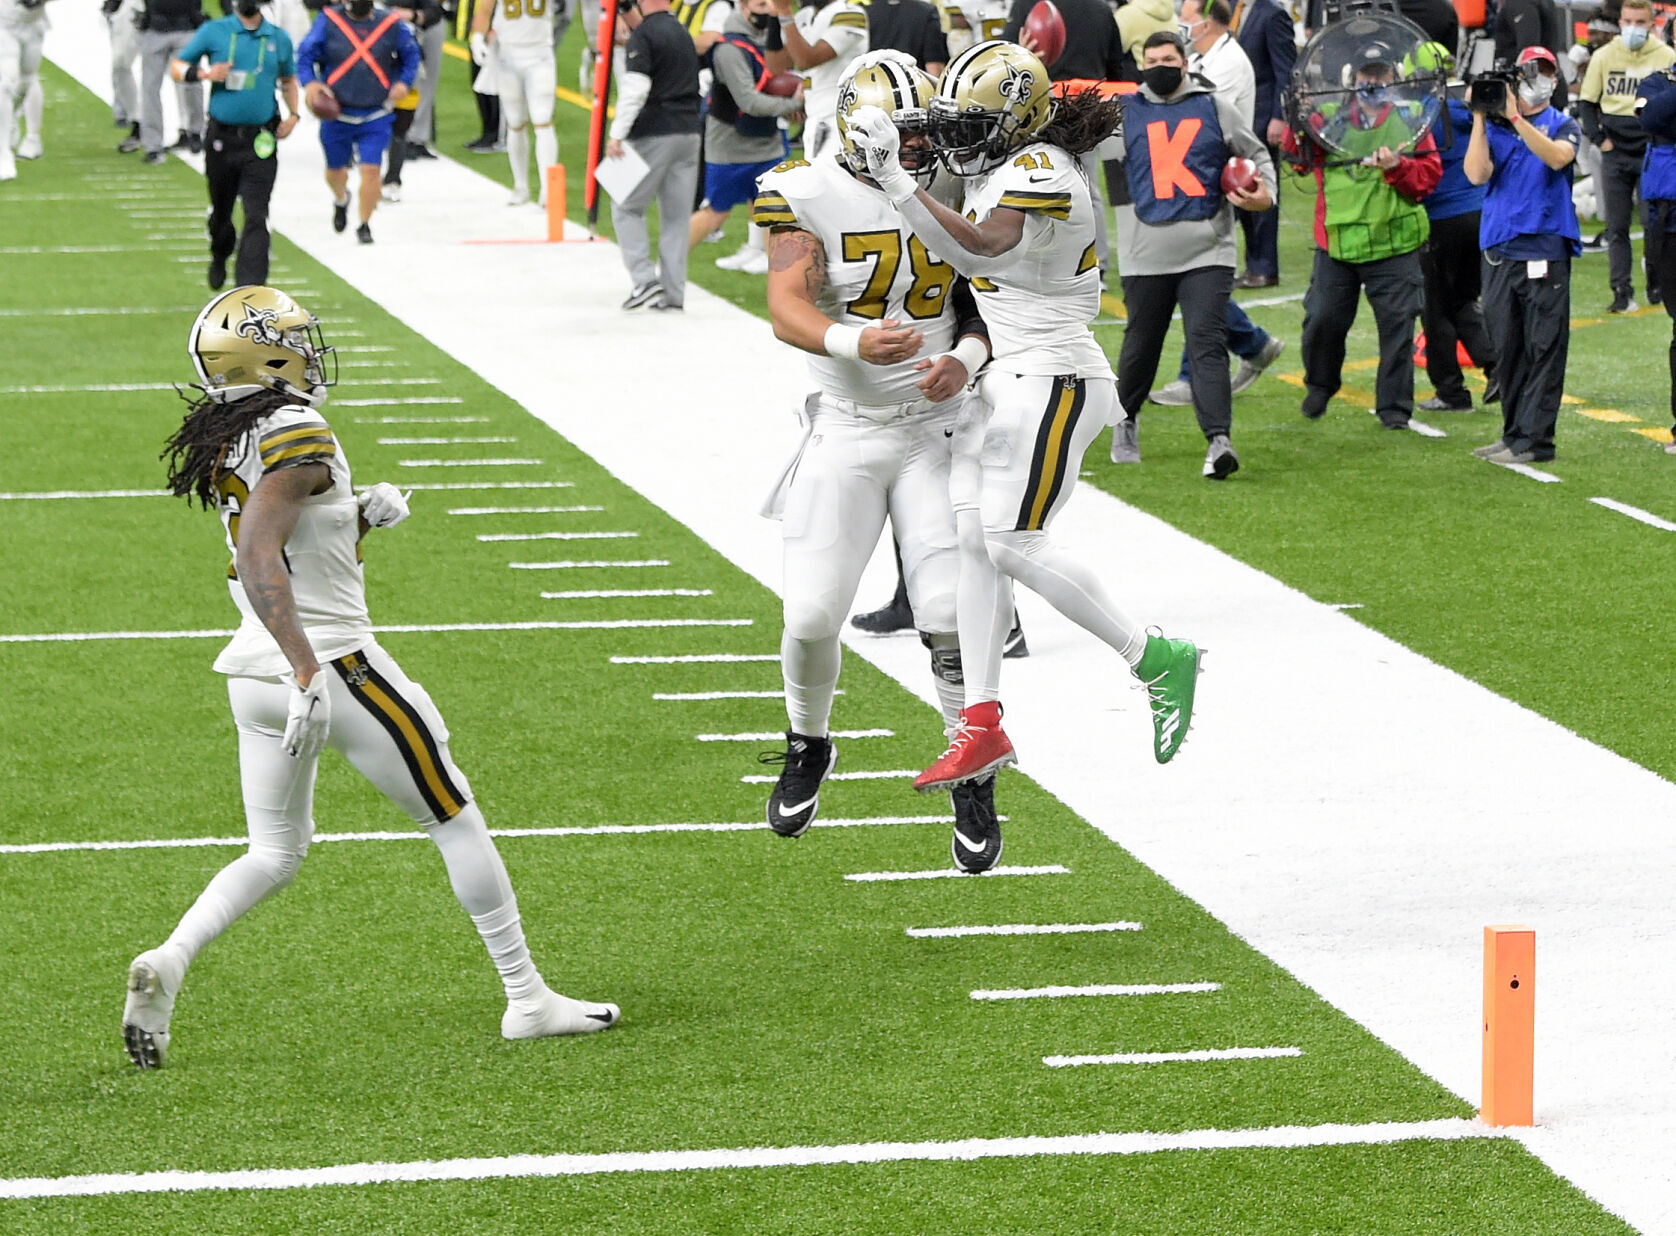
{"type": "Point", "coordinates": [966, 22]}
{"type": "Point", "coordinates": [23, 29]}
{"type": "Point", "coordinates": [303, 670]}
{"type": "Point", "coordinates": [823, 38]}
{"type": "Point", "coordinates": [1027, 243]}
{"type": "Point", "coordinates": [893, 339]}
{"type": "Point", "coordinates": [518, 34]}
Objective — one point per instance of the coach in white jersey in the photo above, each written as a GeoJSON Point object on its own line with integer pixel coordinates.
{"type": "Point", "coordinates": [823, 37]}
{"type": "Point", "coordinates": [851, 285]}
{"type": "Point", "coordinates": [23, 29]}
{"type": "Point", "coordinates": [303, 670]}
{"type": "Point", "coordinates": [1027, 243]}
{"type": "Point", "coordinates": [518, 36]}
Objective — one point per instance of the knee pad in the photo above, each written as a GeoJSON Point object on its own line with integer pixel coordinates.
{"type": "Point", "coordinates": [945, 656]}
{"type": "Point", "coordinates": [809, 622]}
{"type": "Point", "coordinates": [1011, 550]}
{"type": "Point", "coordinates": [278, 863]}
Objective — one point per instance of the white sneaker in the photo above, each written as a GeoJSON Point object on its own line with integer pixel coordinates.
{"type": "Point", "coordinates": [1176, 394]}
{"type": "Point", "coordinates": [551, 1014]}
{"type": "Point", "coordinates": [734, 260]}
{"type": "Point", "coordinates": [751, 261]}
{"type": "Point", "coordinates": [8, 165]}
{"type": "Point", "coordinates": [1126, 441]}
{"type": "Point", "coordinates": [520, 197]}
{"type": "Point", "coordinates": [153, 979]}
{"type": "Point", "coordinates": [391, 193]}
{"type": "Point", "coordinates": [714, 238]}
{"type": "Point", "coordinates": [30, 147]}
{"type": "Point", "coordinates": [1250, 370]}
{"type": "Point", "coordinates": [1220, 460]}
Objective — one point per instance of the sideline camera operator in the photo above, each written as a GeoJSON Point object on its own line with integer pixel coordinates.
{"type": "Point", "coordinates": [1522, 148]}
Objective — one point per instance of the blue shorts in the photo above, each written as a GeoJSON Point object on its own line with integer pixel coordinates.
{"type": "Point", "coordinates": [370, 140]}
{"type": "Point", "coordinates": [726, 185]}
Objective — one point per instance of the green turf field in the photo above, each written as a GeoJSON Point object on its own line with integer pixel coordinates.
{"type": "Point", "coordinates": [768, 1001]}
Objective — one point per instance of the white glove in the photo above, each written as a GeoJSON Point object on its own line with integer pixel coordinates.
{"type": "Point", "coordinates": [479, 48]}
{"type": "Point", "coordinates": [383, 505]}
{"type": "Point", "coordinates": [880, 55]}
{"type": "Point", "coordinates": [308, 717]}
{"type": "Point", "coordinates": [875, 135]}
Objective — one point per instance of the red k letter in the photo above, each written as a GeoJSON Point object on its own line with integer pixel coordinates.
{"type": "Point", "coordinates": [1169, 158]}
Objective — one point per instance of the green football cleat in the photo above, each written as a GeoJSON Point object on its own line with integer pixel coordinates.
{"type": "Point", "coordinates": [1169, 670]}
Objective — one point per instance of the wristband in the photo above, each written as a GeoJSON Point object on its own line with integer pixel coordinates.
{"type": "Point", "coordinates": [787, 21]}
{"type": "Point", "coordinates": [843, 341]}
{"type": "Point", "coordinates": [191, 74]}
{"type": "Point", "coordinates": [972, 352]}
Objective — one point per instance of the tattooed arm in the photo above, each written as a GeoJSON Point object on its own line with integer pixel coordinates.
{"type": "Point", "coordinates": [796, 278]}
{"type": "Point", "coordinates": [265, 524]}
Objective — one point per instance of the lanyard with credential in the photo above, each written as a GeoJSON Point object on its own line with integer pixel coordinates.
{"type": "Point", "coordinates": [261, 50]}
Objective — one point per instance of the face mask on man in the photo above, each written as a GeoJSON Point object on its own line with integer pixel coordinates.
{"type": "Point", "coordinates": [763, 20]}
{"type": "Point", "coordinates": [1185, 31]}
{"type": "Point", "coordinates": [360, 10]}
{"type": "Point", "coordinates": [1635, 37]}
{"type": "Point", "coordinates": [1162, 79]}
{"type": "Point", "coordinates": [248, 8]}
{"type": "Point", "coordinates": [1539, 91]}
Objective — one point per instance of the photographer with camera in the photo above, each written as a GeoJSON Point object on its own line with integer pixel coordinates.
{"type": "Point", "coordinates": [1522, 148]}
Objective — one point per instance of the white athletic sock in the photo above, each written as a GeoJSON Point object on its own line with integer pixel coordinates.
{"type": "Point", "coordinates": [810, 670]}
{"type": "Point", "coordinates": [518, 154]}
{"type": "Point", "coordinates": [34, 101]}
{"type": "Point", "coordinates": [753, 238]}
{"type": "Point", "coordinates": [983, 611]}
{"type": "Point", "coordinates": [1034, 560]}
{"type": "Point", "coordinates": [546, 152]}
{"type": "Point", "coordinates": [481, 884]}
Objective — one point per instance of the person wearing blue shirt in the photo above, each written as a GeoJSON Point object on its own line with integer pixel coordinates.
{"type": "Point", "coordinates": [249, 58]}
{"type": "Point", "coordinates": [1528, 233]}
{"type": "Point", "coordinates": [1655, 108]}
{"type": "Point", "coordinates": [367, 62]}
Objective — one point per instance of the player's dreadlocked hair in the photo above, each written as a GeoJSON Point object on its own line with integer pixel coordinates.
{"type": "Point", "coordinates": [1081, 121]}
{"type": "Point", "coordinates": [197, 449]}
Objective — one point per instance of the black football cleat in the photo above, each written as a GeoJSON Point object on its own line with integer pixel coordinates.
{"type": "Point", "coordinates": [364, 233]}
{"type": "Point", "coordinates": [977, 829]}
{"type": "Point", "coordinates": [797, 794]}
{"type": "Point", "coordinates": [894, 617]}
{"type": "Point", "coordinates": [1015, 647]}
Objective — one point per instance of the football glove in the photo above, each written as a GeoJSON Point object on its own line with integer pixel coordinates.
{"type": "Point", "coordinates": [479, 48]}
{"type": "Point", "coordinates": [875, 135]}
{"type": "Point", "coordinates": [308, 717]}
{"type": "Point", "coordinates": [383, 505]}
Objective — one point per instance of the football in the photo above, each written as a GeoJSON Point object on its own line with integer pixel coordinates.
{"type": "Point", "coordinates": [326, 106]}
{"type": "Point", "coordinates": [1240, 175]}
{"type": "Point", "coordinates": [783, 85]}
{"type": "Point", "coordinates": [1046, 29]}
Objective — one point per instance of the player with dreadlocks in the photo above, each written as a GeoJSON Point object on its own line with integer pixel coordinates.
{"type": "Point", "coordinates": [303, 670]}
{"type": "Point", "coordinates": [1026, 241]}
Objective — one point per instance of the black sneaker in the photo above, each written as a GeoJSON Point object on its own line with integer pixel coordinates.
{"type": "Point", "coordinates": [1015, 648]}
{"type": "Point", "coordinates": [797, 794]}
{"type": "Point", "coordinates": [364, 233]}
{"type": "Point", "coordinates": [340, 215]}
{"type": "Point", "coordinates": [977, 830]}
{"type": "Point", "coordinates": [643, 296]}
{"type": "Point", "coordinates": [482, 145]}
{"type": "Point", "coordinates": [217, 273]}
{"type": "Point", "coordinates": [1492, 390]}
{"type": "Point", "coordinates": [154, 157]}
{"type": "Point", "coordinates": [1437, 403]}
{"type": "Point", "coordinates": [132, 142]}
{"type": "Point", "coordinates": [894, 617]}
{"type": "Point", "coordinates": [1315, 405]}
{"type": "Point", "coordinates": [182, 140]}
{"type": "Point", "coordinates": [1622, 302]}
{"type": "Point", "coordinates": [195, 144]}
{"type": "Point", "coordinates": [418, 150]}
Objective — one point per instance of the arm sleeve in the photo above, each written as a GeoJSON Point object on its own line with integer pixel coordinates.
{"type": "Point", "coordinates": [934, 44]}
{"type": "Point", "coordinates": [967, 319]}
{"type": "Point", "coordinates": [1283, 51]}
{"type": "Point", "coordinates": [1417, 174]}
{"type": "Point", "coordinates": [407, 47]}
{"type": "Point", "coordinates": [633, 89]}
{"type": "Point", "coordinates": [846, 35]}
{"type": "Point", "coordinates": [308, 52]}
{"type": "Point", "coordinates": [772, 208]}
{"type": "Point", "coordinates": [729, 64]}
{"type": "Point", "coordinates": [1588, 115]}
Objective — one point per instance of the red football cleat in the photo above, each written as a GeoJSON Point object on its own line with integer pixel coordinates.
{"type": "Point", "coordinates": [980, 747]}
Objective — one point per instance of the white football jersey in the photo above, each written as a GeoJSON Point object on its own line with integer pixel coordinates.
{"type": "Point", "coordinates": [985, 19]}
{"type": "Point", "coordinates": [1039, 308]}
{"type": "Point", "coordinates": [21, 16]}
{"type": "Point", "coordinates": [524, 23]}
{"type": "Point", "coordinates": [323, 552]}
{"type": "Point", "coordinates": [842, 27]}
{"type": "Point", "coordinates": [876, 268]}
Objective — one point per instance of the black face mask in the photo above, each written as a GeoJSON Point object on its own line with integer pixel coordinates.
{"type": "Point", "coordinates": [248, 8]}
{"type": "Point", "coordinates": [360, 10]}
{"type": "Point", "coordinates": [763, 20]}
{"type": "Point", "coordinates": [1162, 79]}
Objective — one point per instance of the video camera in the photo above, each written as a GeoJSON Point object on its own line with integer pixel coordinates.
{"type": "Point", "coordinates": [1488, 90]}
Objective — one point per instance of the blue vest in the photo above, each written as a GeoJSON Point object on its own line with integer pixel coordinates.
{"type": "Point", "coordinates": [1455, 194]}
{"type": "Point", "coordinates": [1525, 196]}
{"type": "Point", "coordinates": [1173, 157]}
{"type": "Point", "coordinates": [721, 103]}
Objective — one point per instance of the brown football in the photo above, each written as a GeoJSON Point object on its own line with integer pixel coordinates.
{"type": "Point", "coordinates": [1046, 29]}
{"type": "Point", "coordinates": [325, 105]}
{"type": "Point", "coordinates": [783, 85]}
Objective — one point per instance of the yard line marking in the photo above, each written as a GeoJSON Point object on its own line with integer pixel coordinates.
{"type": "Point", "coordinates": [1172, 1057]}
{"type": "Point", "coordinates": [520, 510]}
{"type": "Point", "coordinates": [872, 774]}
{"type": "Point", "coordinates": [1098, 989]}
{"type": "Point", "coordinates": [22, 249]}
{"type": "Point", "coordinates": [48, 494]}
{"type": "Point", "coordinates": [1535, 474]}
{"type": "Point", "coordinates": [1346, 605]}
{"type": "Point", "coordinates": [1020, 929]}
{"type": "Point", "coordinates": [368, 347]}
{"type": "Point", "coordinates": [371, 364]}
{"type": "Point", "coordinates": [96, 311]}
{"type": "Point", "coordinates": [423, 420]}
{"type": "Point", "coordinates": [698, 658]}
{"type": "Point", "coordinates": [556, 536]}
{"type": "Point", "coordinates": [491, 484]}
{"type": "Point", "coordinates": [1635, 512]}
{"type": "Point", "coordinates": [523, 1166]}
{"type": "Point", "coordinates": [1424, 430]}
{"type": "Point", "coordinates": [680, 696]}
{"type": "Point", "coordinates": [612, 624]}
{"type": "Point", "coordinates": [590, 594]}
{"type": "Point", "coordinates": [469, 463]}
{"type": "Point", "coordinates": [569, 830]}
{"type": "Point", "coordinates": [876, 877]}
{"type": "Point", "coordinates": [96, 388]}
{"type": "Point", "coordinates": [398, 381]}
{"type": "Point", "coordinates": [444, 441]}
{"type": "Point", "coordinates": [578, 565]}
{"type": "Point", "coordinates": [416, 399]}
{"type": "Point", "coordinates": [779, 736]}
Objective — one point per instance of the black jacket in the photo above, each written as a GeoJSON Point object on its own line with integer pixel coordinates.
{"type": "Point", "coordinates": [1093, 48]}
{"type": "Point", "coordinates": [1265, 35]}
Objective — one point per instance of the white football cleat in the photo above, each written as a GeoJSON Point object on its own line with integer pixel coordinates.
{"type": "Point", "coordinates": [8, 166]}
{"type": "Point", "coordinates": [520, 197]}
{"type": "Point", "coordinates": [153, 980]}
{"type": "Point", "coordinates": [30, 147]}
{"type": "Point", "coordinates": [551, 1014]}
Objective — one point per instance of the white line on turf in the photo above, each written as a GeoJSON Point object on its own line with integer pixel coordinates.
{"type": "Point", "coordinates": [444, 441]}
{"type": "Point", "coordinates": [362, 349]}
{"type": "Point", "coordinates": [872, 774]}
{"type": "Point", "coordinates": [1097, 989]}
{"type": "Point", "coordinates": [370, 381]}
{"type": "Point", "coordinates": [97, 311]}
{"type": "Point", "coordinates": [467, 463]}
{"type": "Point", "coordinates": [700, 658]}
{"type": "Point", "coordinates": [1173, 1057]}
{"type": "Point", "coordinates": [26, 249]}
{"type": "Point", "coordinates": [379, 403]}
{"type": "Point", "coordinates": [96, 388]}
{"type": "Point", "coordinates": [578, 830]}
{"type": "Point", "coordinates": [74, 637]}
{"type": "Point", "coordinates": [422, 420]}
{"type": "Point", "coordinates": [576, 566]}
{"type": "Point", "coordinates": [882, 877]}
{"type": "Point", "coordinates": [1635, 512]}
{"type": "Point", "coordinates": [779, 735]}
{"type": "Point", "coordinates": [1346, 605]}
{"type": "Point", "coordinates": [1535, 474]}
{"type": "Point", "coordinates": [491, 484]}
{"type": "Point", "coordinates": [591, 594]}
{"type": "Point", "coordinates": [520, 510]}
{"type": "Point", "coordinates": [1019, 929]}
{"type": "Point", "coordinates": [963, 1150]}
{"type": "Point", "coordinates": [695, 696]}
{"type": "Point", "coordinates": [48, 494]}
{"type": "Point", "coordinates": [556, 536]}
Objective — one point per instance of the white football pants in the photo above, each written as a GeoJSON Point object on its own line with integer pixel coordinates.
{"type": "Point", "coordinates": [20, 65]}
{"type": "Point", "coordinates": [526, 79]}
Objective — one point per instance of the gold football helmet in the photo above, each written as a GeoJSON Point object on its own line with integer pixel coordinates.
{"type": "Point", "coordinates": [994, 97]}
{"type": "Point", "coordinates": [258, 339]}
{"type": "Point", "coordinates": [902, 90]}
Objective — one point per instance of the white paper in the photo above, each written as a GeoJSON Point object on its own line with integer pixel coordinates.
{"type": "Point", "coordinates": [620, 177]}
{"type": "Point", "coordinates": [1536, 270]}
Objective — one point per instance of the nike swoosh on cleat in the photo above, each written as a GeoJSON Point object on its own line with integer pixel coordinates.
{"type": "Point", "coordinates": [975, 846]}
{"type": "Point", "coordinates": [605, 1017]}
{"type": "Point", "coordinates": [786, 813]}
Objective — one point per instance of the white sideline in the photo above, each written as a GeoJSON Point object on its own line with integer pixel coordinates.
{"type": "Point", "coordinates": [1019, 929]}
{"type": "Point", "coordinates": [1097, 989]}
{"type": "Point", "coordinates": [946, 873]}
{"type": "Point", "coordinates": [607, 594]}
{"type": "Point", "coordinates": [549, 1165]}
{"type": "Point", "coordinates": [574, 566]}
{"type": "Point", "coordinates": [698, 657]}
{"type": "Point", "coordinates": [1173, 1057]}
{"type": "Point", "coordinates": [779, 736]}
{"type": "Point", "coordinates": [1350, 809]}
{"type": "Point", "coordinates": [1635, 512]}
{"type": "Point", "coordinates": [76, 637]}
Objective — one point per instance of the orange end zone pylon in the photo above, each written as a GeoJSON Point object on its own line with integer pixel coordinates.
{"type": "Point", "coordinates": [555, 203]}
{"type": "Point", "coordinates": [1509, 1025]}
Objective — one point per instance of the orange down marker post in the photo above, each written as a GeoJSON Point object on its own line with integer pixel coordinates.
{"type": "Point", "coordinates": [555, 203]}
{"type": "Point", "coordinates": [1509, 1025]}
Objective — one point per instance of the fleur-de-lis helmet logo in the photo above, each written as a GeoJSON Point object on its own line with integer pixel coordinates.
{"type": "Point", "coordinates": [1015, 88]}
{"type": "Point", "coordinates": [259, 326]}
